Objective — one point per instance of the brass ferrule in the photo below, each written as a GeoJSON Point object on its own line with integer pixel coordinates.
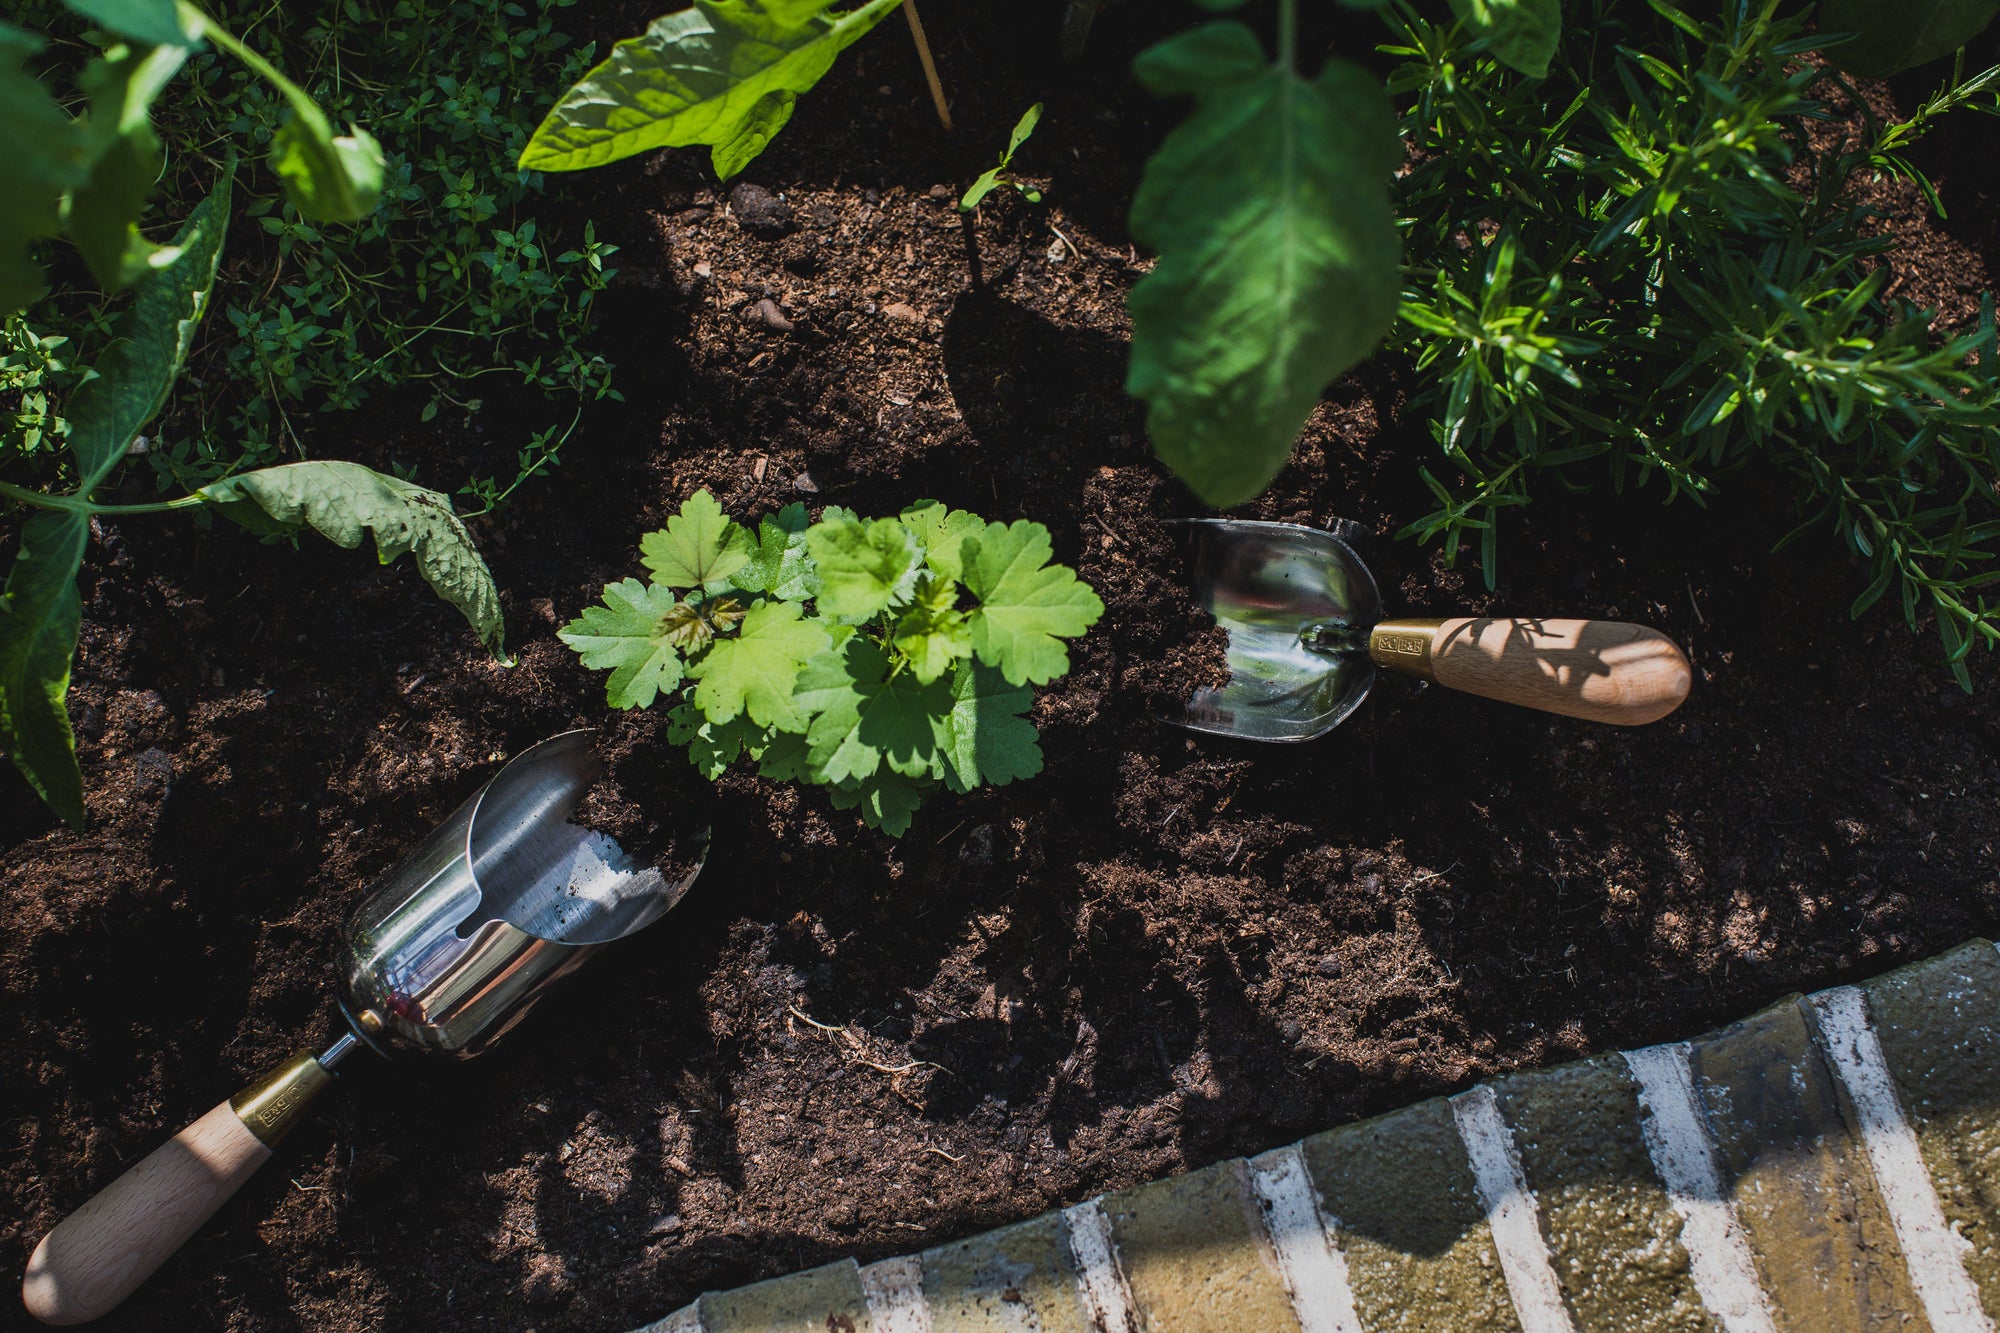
{"type": "Point", "coordinates": [1405, 645]}
{"type": "Point", "coordinates": [270, 1107]}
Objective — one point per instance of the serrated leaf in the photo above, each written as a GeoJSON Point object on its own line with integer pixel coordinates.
{"type": "Point", "coordinates": [1278, 256]}
{"type": "Point", "coordinates": [714, 746]}
{"type": "Point", "coordinates": [701, 547]}
{"type": "Point", "coordinates": [159, 22]}
{"type": "Point", "coordinates": [780, 565]}
{"type": "Point", "coordinates": [723, 73]}
{"type": "Point", "coordinates": [941, 531]}
{"type": "Point", "coordinates": [125, 162]}
{"type": "Point", "coordinates": [40, 614]}
{"type": "Point", "coordinates": [783, 758]}
{"type": "Point", "coordinates": [345, 501]}
{"type": "Point", "coordinates": [887, 800]}
{"type": "Point", "coordinates": [986, 738]}
{"type": "Point", "coordinates": [1522, 34]}
{"type": "Point", "coordinates": [864, 568]}
{"type": "Point", "coordinates": [149, 342]}
{"type": "Point", "coordinates": [865, 715]}
{"type": "Point", "coordinates": [754, 672]}
{"type": "Point", "coordinates": [44, 152]}
{"type": "Point", "coordinates": [628, 636]}
{"type": "Point", "coordinates": [932, 632]}
{"type": "Point", "coordinates": [1890, 38]}
{"type": "Point", "coordinates": [1027, 606]}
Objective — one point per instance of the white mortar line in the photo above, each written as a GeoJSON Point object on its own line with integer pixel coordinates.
{"type": "Point", "coordinates": [1510, 1212]}
{"type": "Point", "coordinates": [1719, 1259]}
{"type": "Point", "coordinates": [1307, 1245]}
{"type": "Point", "coordinates": [687, 1319]}
{"type": "Point", "coordinates": [1107, 1299]}
{"type": "Point", "coordinates": [894, 1290]}
{"type": "Point", "coordinates": [1933, 1251]}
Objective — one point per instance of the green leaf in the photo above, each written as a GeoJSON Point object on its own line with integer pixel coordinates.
{"type": "Point", "coordinates": [941, 532]}
{"type": "Point", "coordinates": [40, 614]}
{"type": "Point", "coordinates": [714, 746]}
{"type": "Point", "coordinates": [1278, 257]}
{"type": "Point", "coordinates": [343, 501]}
{"type": "Point", "coordinates": [328, 177]}
{"type": "Point", "coordinates": [723, 73]}
{"type": "Point", "coordinates": [159, 22]}
{"type": "Point", "coordinates": [780, 565]}
{"type": "Point", "coordinates": [979, 189]}
{"type": "Point", "coordinates": [628, 635]}
{"type": "Point", "coordinates": [701, 547]}
{"type": "Point", "coordinates": [1894, 37]}
{"type": "Point", "coordinates": [1027, 606]}
{"type": "Point", "coordinates": [754, 672]}
{"type": "Point", "coordinates": [887, 800]}
{"type": "Point", "coordinates": [44, 152]}
{"type": "Point", "coordinates": [932, 632]}
{"type": "Point", "coordinates": [864, 568]}
{"type": "Point", "coordinates": [866, 715]}
{"type": "Point", "coordinates": [149, 343]}
{"type": "Point", "coordinates": [125, 163]}
{"type": "Point", "coordinates": [1023, 127]}
{"type": "Point", "coordinates": [985, 737]}
{"type": "Point", "coordinates": [1522, 34]}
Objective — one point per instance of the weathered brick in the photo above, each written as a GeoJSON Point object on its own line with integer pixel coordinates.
{"type": "Point", "coordinates": [815, 1301]}
{"type": "Point", "coordinates": [1017, 1278]}
{"type": "Point", "coordinates": [1191, 1257]}
{"type": "Point", "coordinates": [1420, 1256]}
{"type": "Point", "coordinates": [1802, 1186]}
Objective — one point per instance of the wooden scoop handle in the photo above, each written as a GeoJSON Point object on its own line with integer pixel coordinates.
{"type": "Point", "coordinates": [1599, 670]}
{"type": "Point", "coordinates": [99, 1254]}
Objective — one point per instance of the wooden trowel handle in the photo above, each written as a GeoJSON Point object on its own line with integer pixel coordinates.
{"type": "Point", "coordinates": [99, 1254]}
{"type": "Point", "coordinates": [1599, 670]}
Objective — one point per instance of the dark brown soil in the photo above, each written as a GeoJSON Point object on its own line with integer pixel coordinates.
{"type": "Point", "coordinates": [1157, 953]}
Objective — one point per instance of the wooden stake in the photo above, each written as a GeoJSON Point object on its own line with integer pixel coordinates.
{"type": "Point", "coordinates": [930, 67]}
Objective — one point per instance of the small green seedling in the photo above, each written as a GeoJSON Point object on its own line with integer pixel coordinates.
{"type": "Point", "coordinates": [1000, 175]}
{"type": "Point", "coordinates": [878, 658]}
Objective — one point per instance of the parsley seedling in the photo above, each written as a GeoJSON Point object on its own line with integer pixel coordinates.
{"type": "Point", "coordinates": [877, 658]}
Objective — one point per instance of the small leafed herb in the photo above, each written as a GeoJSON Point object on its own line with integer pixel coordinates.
{"type": "Point", "coordinates": [876, 658]}
{"type": "Point", "coordinates": [1002, 174]}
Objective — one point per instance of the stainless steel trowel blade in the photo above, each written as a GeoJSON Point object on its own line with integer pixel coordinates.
{"type": "Point", "coordinates": [1275, 587]}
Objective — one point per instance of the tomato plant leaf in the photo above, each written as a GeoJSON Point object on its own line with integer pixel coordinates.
{"type": "Point", "coordinates": [986, 738]}
{"type": "Point", "coordinates": [1027, 606]}
{"type": "Point", "coordinates": [887, 799]}
{"type": "Point", "coordinates": [627, 634]}
{"type": "Point", "coordinates": [864, 568]}
{"type": "Point", "coordinates": [701, 547]}
{"type": "Point", "coordinates": [344, 501]}
{"type": "Point", "coordinates": [159, 22]}
{"type": "Point", "coordinates": [149, 342]}
{"type": "Point", "coordinates": [125, 162]}
{"type": "Point", "coordinates": [1521, 34]}
{"type": "Point", "coordinates": [723, 73]}
{"type": "Point", "coordinates": [932, 632]}
{"type": "Point", "coordinates": [44, 152]}
{"type": "Point", "coordinates": [780, 565]}
{"type": "Point", "coordinates": [1278, 255]}
{"type": "Point", "coordinates": [1889, 38]}
{"type": "Point", "coordinates": [40, 615]}
{"type": "Point", "coordinates": [941, 532]}
{"type": "Point", "coordinates": [754, 672]}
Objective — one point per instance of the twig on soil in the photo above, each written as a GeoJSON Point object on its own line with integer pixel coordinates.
{"type": "Point", "coordinates": [930, 66]}
{"type": "Point", "coordinates": [942, 1153]}
{"type": "Point", "coordinates": [800, 1014]}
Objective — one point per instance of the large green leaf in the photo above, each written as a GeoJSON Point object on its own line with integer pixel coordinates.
{"type": "Point", "coordinates": [1522, 34]}
{"type": "Point", "coordinates": [160, 22]}
{"type": "Point", "coordinates": [701, 547]}
{"type": "Point", "coordinates": [149, 343]}
{"type": "Point", "coordinates": [986, 737]}
{"type": "Point", "coordinates": [626, 635]}
{"type": "Point", "coordinates": [1027, 606]}
{"type": "Point", "coordinates": [754, 672]}
{"type": "Point", "coordinates": [866, 715]}
{"type": "Point", "coordinates": [43, 150]}
{"type": "Point", "coordinates": [1278, 258]}
{"type": "Point", "coordinates": [125, 163]}
{"type": "Point", "coordinates": [724, 73]}
{"type": "Point", "coordinates": [39, 617]}
{"type": "Point", "coordinates": [864, 567]}
{"type": "Point", "coordinates": [1893, 37]}
{"type": "Point", "coordinates": [344, 501]}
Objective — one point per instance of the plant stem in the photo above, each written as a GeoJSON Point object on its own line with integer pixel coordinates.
{"type": "Point", "coordinates": [1288, 33]}
{"type": "Point", "coordinates": [78, 505]}
{"type": "Point", "coordinates": [930, 66]}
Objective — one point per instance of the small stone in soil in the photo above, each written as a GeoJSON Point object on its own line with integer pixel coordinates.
{"type": "Point", "coordinates": [772, 317]}
{"type": "Point", "coordinates": [763, 214]}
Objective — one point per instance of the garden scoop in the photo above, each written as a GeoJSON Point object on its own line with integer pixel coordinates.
{"type": "Point", "coordinates": [440, 961]}
{"type": "Point", "coordinates": [1306, 634]}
